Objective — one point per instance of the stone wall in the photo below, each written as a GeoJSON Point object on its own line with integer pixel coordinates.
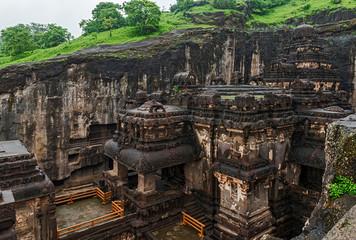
{"type": "Point", "coordinates": [340, 156]}
{"type": "Point", "coordinates": [35, 219]}
{"type": "Point", "coordinates": [7, 216]}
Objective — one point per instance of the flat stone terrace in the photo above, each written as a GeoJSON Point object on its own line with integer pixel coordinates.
{"type": "Point", "coordinates": [80, 211]}
{"type": "Point", "coordinates": [177, 232]}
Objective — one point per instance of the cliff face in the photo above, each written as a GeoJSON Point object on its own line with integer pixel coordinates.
{"type": "Point", "coordinates": [62, 109]}
{"type": "Point", "coordinates": [340, 161]}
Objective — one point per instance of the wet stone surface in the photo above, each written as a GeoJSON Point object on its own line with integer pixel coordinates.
{"type": "Point", "coordinates": [177, 232]}
{"type": "Point", "coordinates": [80, 211]}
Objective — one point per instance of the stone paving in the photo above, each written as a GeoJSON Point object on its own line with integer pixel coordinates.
{"type": "Point", "coordinates": [177, 232]}
{"type": "Point", "coordinates": [80, 211]}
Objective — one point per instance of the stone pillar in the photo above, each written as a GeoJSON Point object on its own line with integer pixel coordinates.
{"type": "Point", "coordinates": [244, 209]}
{"type": "Point", "coordinates": [7, 216]}
{"type": "Point", "coordinates": [146, 182]}
{"type": "Point", "coordinates": [121, 171]}
{"type": "Point", "coordinates": [116, 178]}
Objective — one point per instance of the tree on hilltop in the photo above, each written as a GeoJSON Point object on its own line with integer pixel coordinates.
{"type": "Point", "coordinates": [54, 36]}
{"type": "Point", "coordinates": [106, 16]}
{"type": "Point", "coordinates": [27, 37]}
{"type": "Point", "coordinates": [144, 15]}
{"type": "Point", "coordinates": [17, 40]}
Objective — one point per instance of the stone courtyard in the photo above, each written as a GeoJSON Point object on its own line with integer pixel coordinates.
{"type": "Point", "coordinates": [80, 211]}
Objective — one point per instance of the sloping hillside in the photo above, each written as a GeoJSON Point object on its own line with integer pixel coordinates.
{"type": "Point", "coordinates": [245, 15]}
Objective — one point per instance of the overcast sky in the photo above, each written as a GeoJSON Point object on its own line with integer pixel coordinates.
{"type": "Point", "coordinates": [65, 13]}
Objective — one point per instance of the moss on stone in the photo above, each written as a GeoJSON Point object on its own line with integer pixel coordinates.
{"type": "Point", "coordinates": [342, 148]}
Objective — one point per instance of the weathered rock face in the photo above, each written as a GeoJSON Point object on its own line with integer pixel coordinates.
{"type": "Point", "coordinates": [340, 155]}
{"type": "Point", "coordinates": [344, 228]}
{"type": "Point", "coordinates": [64, 108]}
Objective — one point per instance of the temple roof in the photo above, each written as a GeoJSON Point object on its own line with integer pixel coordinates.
{"type": "Point", "coordinates": [20, 173]}
{"type": "Point", "coordinates": [153, 107]}
{"type": "Point", "coordinates": [148, 161]}
{"type": "Point", "coordinates": [245, 170]}
{"type": "Point", "coordinates": [12, 148]}
{"type": "Point", "coordinates": [304, 30]}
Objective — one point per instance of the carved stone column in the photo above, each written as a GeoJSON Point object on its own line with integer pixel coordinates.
{"type": "Point", "coordinates": [146, 182]}
{"type": "Point", "coordinates": [121, 171]}
{"type": "Point", "coordinates": [244, 209]}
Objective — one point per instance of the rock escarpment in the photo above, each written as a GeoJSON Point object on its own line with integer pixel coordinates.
{"type": "Point", "coordinates": [340, 161]}
{"type": "Point", "coordinates": [64, 108]}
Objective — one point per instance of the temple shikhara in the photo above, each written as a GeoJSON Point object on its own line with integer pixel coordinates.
{"type": "Point", "coordinates": [229, 159]}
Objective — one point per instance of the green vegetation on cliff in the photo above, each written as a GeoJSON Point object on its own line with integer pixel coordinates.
{"type": "Point", "coordinates": [119, 36]}
{"type": "Point", "coordinates": [342, 186]}
{"type": "Point", "coordinates": [298, 9]}
{"type": "Point", "coordinates": [186, 13]}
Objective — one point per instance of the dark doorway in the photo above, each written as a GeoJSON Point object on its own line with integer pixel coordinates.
{"type": "Point", "coordinates": [311, 178]}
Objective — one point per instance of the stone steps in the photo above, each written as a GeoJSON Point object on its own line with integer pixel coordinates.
{"type": "Point", "coordinates": [192, 208]}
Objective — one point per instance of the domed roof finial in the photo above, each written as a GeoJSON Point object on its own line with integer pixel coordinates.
{"type": "Point", "coordinates": [304, 31]}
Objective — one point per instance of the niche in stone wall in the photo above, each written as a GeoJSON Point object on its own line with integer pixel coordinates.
{"type": "Point", "coordinates": [234, 191]}
{"type": "Point", "coordinates": [132, 179]}
{"type": "Point", "coordinates": [100, 133]}
{"type": "Point", "coordinates": [73, 158]}
{"type": "Point", "coordinates": [311, 178]}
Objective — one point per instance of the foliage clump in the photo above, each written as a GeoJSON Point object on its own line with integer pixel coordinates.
{"type": "Point", "coordinates": [224, 4]}
{"type": "Point", "coordinates": [262, 7]}
{"type": "Point", "coordinates": [182, 5]}
{"type": "Point", "coordinates": [144, 15]}
{"type": "Point", "coordinates": [106, 16]}
{"type": "Point", "coordinates": [21, 38]}
{"type": "Point", "coordinates": [341, 186]}
{"type": "Point", "coordinates": [16, 40]}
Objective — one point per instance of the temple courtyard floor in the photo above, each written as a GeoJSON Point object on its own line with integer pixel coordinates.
{"type": "Point", "coordinates": [177, 232]}
{"type": "Point", "coordinates": [80, 211]}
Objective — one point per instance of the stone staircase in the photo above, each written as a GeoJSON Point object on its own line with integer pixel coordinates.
{"type": "Point", "coordinates": [193, 208]}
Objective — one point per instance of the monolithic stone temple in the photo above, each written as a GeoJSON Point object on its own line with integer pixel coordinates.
{"type": "Point", "coordinates": [240, 150]}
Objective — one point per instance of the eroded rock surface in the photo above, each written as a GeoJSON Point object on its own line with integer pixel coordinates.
{"type": "Point", "coordinates": [340, 156]}
{"type": "Point", "coordinates": [345, 228]}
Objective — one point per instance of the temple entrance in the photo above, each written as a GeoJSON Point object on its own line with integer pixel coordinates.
{"type": "Point", "coordinates": [132, 179]}
{"type": "Point", "coordinates": [165, 178]}
{"type": "Point", "coordinates": [311, 178]}
{"type": "Point", "coordinates": [174, 175]}
{"type": "Point", "coordinates": [170, 178]}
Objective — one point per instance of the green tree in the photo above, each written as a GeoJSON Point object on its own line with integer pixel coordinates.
{"type": "Point", "coordinates": [17, 40]}
{"type": "Point", "coordinates": [143, 14]}
{"type": "Point", "coordinates": [88, 26]}
{"type": "Point", "coordinates": [103, 13]}
{"type": "Point", "coordinates": [37, 30]}
{"type": "Point", "coordinates": [108, 24]}
{"type": "Point", "coordinates": [259, 7]}
{"type": "Point", "coordinates": [262, 7]}
{"type": "Point", "coordinates": [183, 5]}
{"type": "Point", "coordinates": [1, 48]}
{"type": "Point", "coordinates": [54, 36]}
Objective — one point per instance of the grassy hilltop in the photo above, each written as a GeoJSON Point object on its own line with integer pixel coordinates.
{"type": "Point", "coordinates": [273, 16]}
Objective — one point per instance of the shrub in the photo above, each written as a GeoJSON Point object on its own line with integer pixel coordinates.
{"type": "Point", "coordinates": [183, 5]}
{"type": "Point", "coordinates": [224, 4]}
{"type": "Point", "coordinates": [341, 186]}
{"type": "Point", "coordinates": [306, 7]}
{"type": "Point", "coordinates": [262, 7]}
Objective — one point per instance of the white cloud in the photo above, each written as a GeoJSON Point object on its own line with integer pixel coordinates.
{"type": "Point", "coordinates": [65, 13]}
